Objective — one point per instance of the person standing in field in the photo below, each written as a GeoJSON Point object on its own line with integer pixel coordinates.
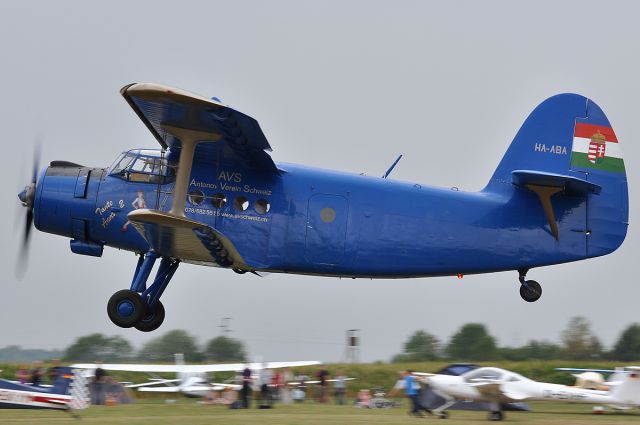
{"type": "Point", "coordinates": [411, 391]}
{"type": "Point", "coordinates": [340, 388]}
{"type": "Point", "coordinates": [246, 387]}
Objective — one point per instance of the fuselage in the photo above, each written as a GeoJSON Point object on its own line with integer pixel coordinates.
{"type": "Point", "coordinates": [313, 221]}
{"type": "Point", "coordinates": [21, 396]}
{"type": "Point", "coordinates": [511, 387]}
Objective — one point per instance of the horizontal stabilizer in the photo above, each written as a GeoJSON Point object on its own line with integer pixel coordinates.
{"type": "Point", "coordinates": [568, 183]}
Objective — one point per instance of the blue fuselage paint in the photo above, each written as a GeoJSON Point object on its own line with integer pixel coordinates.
{"type": "Point", "coordinates": [338, 224]}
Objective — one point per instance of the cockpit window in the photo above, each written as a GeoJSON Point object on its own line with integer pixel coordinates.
{"type": "Point", "coordinates": [483, 374]}
{"type": "Point", "coordinates": [144, 167]}
{"type": "Point", "coordinates": [123, 163]}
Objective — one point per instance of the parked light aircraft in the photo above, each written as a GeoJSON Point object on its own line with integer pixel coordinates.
{"type": "Point", "coordinates": [495, 386]}
{"type": "Point", "coordinates": [212, 195]}
{"type": "Point", "coordinates": [69, 392]}
{"type": "Point", "coordinates": [191, 380]}
{"type": "Point", "coordinates": [594, 379]}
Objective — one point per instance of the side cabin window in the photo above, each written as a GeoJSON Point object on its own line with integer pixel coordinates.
{"type": "Point", "coordinates": [142, 167]}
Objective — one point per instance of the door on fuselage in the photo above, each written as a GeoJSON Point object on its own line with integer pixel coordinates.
{"type": "Point", "coordinates": [327, 218]}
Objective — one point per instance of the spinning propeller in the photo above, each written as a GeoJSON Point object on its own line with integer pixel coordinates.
{"type": "Point", "coordinates": [27, 197]}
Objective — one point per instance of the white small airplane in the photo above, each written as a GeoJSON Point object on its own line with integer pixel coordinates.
{"type": "Point", "coordinates": [191, 380]}
{"type": "Point", "coordinates": [496, 386]}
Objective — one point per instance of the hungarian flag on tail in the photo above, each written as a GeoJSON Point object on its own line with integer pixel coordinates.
{"type": "Point", "coordinates": [596, 147]}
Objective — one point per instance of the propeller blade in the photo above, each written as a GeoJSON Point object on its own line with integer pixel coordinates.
{"type": "Point", "coordinates": [29, 223]}
{"type": "Point", "coordinates": [27, 197]}
{"type": "Point", "coordinates": [36, 162]}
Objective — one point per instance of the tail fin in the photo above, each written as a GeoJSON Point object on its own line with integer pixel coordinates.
{"type": "Point", "coordinates": [73, 383]}
{"type": "Point", "coordinates": [567, 143]}
{"type": "Point", "coordinates": [62, 381]}
{"type": "Point", "coordinates": [627, 393]}
{"type": "Point", "coordinates": [181, 375]}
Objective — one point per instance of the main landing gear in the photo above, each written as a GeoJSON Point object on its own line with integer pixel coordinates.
{"type": "Point", "coordinates": [140, 307]}
{"type": "Point", "coordinates": [530, 290]}
{"type": "Point", "coordinates": [496, 415]}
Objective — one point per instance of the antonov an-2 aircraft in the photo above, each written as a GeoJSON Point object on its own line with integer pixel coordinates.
{"type": "Point", "coordinates": [212, 195]}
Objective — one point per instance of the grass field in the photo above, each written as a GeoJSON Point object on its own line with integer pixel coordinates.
{"type": "Point", "coordinates": [188, 412]}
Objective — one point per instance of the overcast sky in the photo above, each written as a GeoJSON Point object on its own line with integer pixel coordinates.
{"type": "Point", "coordinates": [346, 85]}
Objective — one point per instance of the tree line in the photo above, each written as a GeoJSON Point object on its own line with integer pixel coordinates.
{"type": "Point", "coordinates": [99, 347]}
{"type": "Point", "coordinates": [472, 342]}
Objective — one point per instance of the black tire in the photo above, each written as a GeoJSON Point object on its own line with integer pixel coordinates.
{"type": "Point", "coordinates": [532, 292]}
{"type": "Point", "coordinates": [125, 308]}
{"type": "Point", "coordinates": [496, 416]}
{"type": "Point", "coordinates": [152, 320]}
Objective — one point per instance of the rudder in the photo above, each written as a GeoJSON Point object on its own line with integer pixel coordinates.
{"type": "Point", "coordinates": [569, 138]}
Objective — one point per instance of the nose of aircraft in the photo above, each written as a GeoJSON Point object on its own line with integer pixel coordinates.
{"type": "Point", "coordinates": [61, 200]}
{"type": "Point", "coordinates": [65, 199]}
{"type": "Point", "coordinates": [27, 198]}
{"type": "Point", "coordinates": [23, 197]}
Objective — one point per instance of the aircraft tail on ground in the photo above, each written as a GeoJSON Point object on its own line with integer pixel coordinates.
{"type": "Point", "coordinates": [567, 154]}
{"type": "Point", "coordinates": [73, 383]}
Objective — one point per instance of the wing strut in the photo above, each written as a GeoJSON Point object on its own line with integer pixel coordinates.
{"type": "Point", "coordinates": [188, 141]}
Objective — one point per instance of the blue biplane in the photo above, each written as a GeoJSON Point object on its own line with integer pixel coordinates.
{"type": "Point", "coordinates": [212, 195]}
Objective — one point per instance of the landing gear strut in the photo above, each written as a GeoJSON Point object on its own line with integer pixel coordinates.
{"type": "Point", "coordinates": [140, 307]}
{"type": "Point", "coordinates": [496, 416]}
{"type": "Point", "coordinates": [530, 290]}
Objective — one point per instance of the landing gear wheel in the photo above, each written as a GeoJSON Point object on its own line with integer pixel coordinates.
{"type": "Point", "coordinates": [125, 308]}
{"type": "Point", "coordinates": [496, 416]}
{"type": "Point", "coordinates": [152, 320]}
{"type": "Point", "coordinates": [531, 292]}
{"type": "Point", "coordinates": [443, 415]}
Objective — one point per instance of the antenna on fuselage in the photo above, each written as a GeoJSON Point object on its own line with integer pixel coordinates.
{"type": "Point", "coordinates": [392, 167]}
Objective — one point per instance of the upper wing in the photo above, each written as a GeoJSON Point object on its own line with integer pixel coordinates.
{"type": "Point", "coordinates": [152, 383]}
{"type": "Point", "coordinates": [317, 381]}
{"type": "Point", "coordinates": [164, 368]}
{"type": "Point", "coordinates": [278, 365]}
{"type": "Point", "coordinates": [238, 137]}
{"type": "Point", "coordinates": [574, 369]}
{"type": "Point", "coordinates": [160, 389]}
{"type": "Point", "coordinates": [196, 368]}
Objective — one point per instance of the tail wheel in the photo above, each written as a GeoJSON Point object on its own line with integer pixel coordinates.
{"type": "Point", "coordinates": [125, 308]}
{"type": "Point", "coordinates": [153, 319]}
{"type": "Point", "coordinates": [531, 291]}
